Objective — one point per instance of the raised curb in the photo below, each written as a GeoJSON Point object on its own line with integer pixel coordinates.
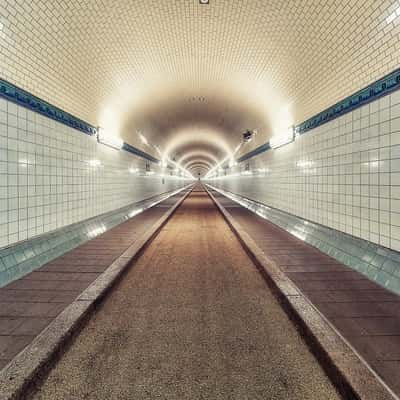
{"type": "Point", "coordinates": [352, 376]}
{"type": "Point", "coordinates": [28, 369]}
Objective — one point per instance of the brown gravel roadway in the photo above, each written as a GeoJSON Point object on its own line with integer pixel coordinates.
{"type": "Point", "coordinates": [193, 319]}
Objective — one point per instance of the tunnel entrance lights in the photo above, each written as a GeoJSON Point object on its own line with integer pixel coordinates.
{"type": "Point", "coordinates": [282, 139]}
{"type": "Point", "coordinates": [109, 140]}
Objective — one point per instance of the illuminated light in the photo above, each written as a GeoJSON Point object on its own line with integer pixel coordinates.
{"type": "Point", "coordinates": [232, 163]}
{"type": "Point", "coordinates": [178, 168]}
{"type": "Point", "coordinates": [221, 163]}
{"type": "Point", "coordinates": [374, 164]}
{"type": "Point", "coordinates": [260, 213]}
{"type": "Point", "coordinates": [2, 33]}
{"type": "Point", "coordinates": [109, 140]}
{"type": "Point", "coordinates": [133, 170]}
{"type": "Point", "coordinates": [94, 163]}
{"type": "Point", "coordinates": [143, 139]}
{"type": "Point", "coordinates": [96, 231]}
{"type": "Point", "coordinates": [135, 212]}
{"type": "Point", "coordinates": [305, 164]}
{"type": "Point", "coordinates": [281, 140]}
{"type": "Point", "coordinates": [158, 150]}
{"type": "Point", "coordinates": [246, 173]}
{"type": "Point", "coordinates": [237, 148]}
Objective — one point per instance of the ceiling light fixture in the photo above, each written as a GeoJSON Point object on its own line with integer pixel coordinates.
{"type": "Point", "coordinates": [204, 1]}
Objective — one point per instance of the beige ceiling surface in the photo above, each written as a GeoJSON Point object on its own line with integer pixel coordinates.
{"type": "Point", "coordinates": [191, 77]}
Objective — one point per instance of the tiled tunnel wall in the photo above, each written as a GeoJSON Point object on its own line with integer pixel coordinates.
{"type": "Point", "coordinates": [343, 175]}
{"type": "Point", "coordinates": [378, 263]}
{"type": "Point", "coordinates": [52, 175]}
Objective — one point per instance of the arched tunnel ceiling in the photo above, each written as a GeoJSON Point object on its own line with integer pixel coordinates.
{"type": "Point", "coordinates": [191, 77]}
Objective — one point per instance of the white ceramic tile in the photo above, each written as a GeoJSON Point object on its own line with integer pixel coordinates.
{"type": "Point", "coordinates": [51, 184]}
{"type": "Point", "coordinates": [353, 187]}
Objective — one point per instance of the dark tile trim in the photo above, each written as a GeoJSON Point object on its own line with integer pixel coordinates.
{"type": "Point", "coordinates": [25, 99]}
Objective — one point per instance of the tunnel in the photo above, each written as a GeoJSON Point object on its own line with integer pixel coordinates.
{"type": "Point", "coordinates": [200, 199]}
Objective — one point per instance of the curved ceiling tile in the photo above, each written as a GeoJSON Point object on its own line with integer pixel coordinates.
{"type": "Point", "coordinates": [198, 152]}
{"type": "Point", "coordinates": [198, 162]}
{"type": "Point", "coordinates": [179, 71]}
{"type": "Point", "coordinates": [198, 166]}
{"type": "Point", "coordinates": [205, 161]}
{"type": "Point", "coordinates": [198, 170]}
{"type": "Point", "coordinates": [180, 119]}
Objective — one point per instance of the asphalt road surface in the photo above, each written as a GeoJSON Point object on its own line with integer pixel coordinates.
{"type": "Point", "coordinates": [192, 319]}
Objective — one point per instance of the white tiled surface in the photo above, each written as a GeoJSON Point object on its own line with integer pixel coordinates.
{"type": "Point", "coordinates": [48, 178]}
{"type": "Point", "coordinates": [344, 174]}
{"type": "Point", "coordinates": [103, 60]}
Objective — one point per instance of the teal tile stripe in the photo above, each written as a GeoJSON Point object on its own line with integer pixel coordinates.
{"type": "Point", "coordinates": [377, 263]}
{"type": "Point", "coordinates": [25, 99]}
{"type": "Point", "coordinates": [372, 92]}
{"type": "Point", "coordinates": [380, 88]}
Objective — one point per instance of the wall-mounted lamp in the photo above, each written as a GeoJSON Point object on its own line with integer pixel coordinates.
{"type": "Point", "coordinates": [282, 139]}
{"type": "Point", "coordinates": [108, 140]}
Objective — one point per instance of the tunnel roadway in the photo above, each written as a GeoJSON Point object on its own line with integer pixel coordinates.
{"type": "Point", "coordinates": [192, 319]}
